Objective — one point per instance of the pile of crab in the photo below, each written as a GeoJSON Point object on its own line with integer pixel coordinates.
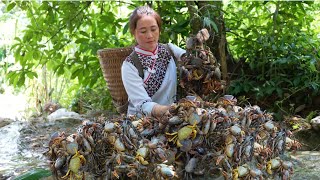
{"type": "Point", "coordinates": [198, 139]}
{"type": "Point", "coordinates": [199, 70]}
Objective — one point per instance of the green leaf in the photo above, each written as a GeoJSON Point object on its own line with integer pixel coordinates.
{"type": "Point", "coordinates": [41, 46]}
{"type": "Point", "coordinates": [18, 39]}
{"type": "Point", "coordinates": [269, 90]}
{"type": "Point", "coordinates": [84, 34]}
{"type": "Point", "coordinates": [34, 174]}
{"type": "Point", "coordinates": [21, 80]}
{"type": "Point", "coordinates": [314, 85]}
{"type": "Point", "coordinates": [11, 6]}
{"type": "Point", "coordinates": [279, 92]}
{"type": "Point", "coordinates": [60, 70]}
{"type": "Point", "coordinates": [31, 75]}
{"type": "Point", "coordinates": [296, 81]}
{"type": "Point", "coordinates": [29, 56]}
{"type": "Point", "coordinates": [207, 22]}
{"type": "Point", "coordinates": [15, 45]}
{"type": "Point", "coordinates": [36, 55]}
{"type": "Point", "coordinates": [82, 40]}
{"type": "Point", "coordinates": [75, 73]}
{"type": "Point", "coordinates": [125, 28]}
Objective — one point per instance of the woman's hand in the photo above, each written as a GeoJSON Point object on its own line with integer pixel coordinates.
{"type": "Point", "coordinates": [161, 112]}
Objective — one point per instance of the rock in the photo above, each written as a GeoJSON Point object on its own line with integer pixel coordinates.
{"type": "Point", "coordinates": [306, 165]}
{"type": "Point", "coordinates": [5, 121]}
{"type": "Point", "coordinates": [309, 138]}
{"type": "Point", "coordinates": [315, 123]}
{"type": "Point", "coordinates": [63, 115]}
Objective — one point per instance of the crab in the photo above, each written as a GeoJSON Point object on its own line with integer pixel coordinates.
{"type": "Point", "coordinates": [129, 168]}
{"type": "Point", "coordinates": [74, 165]}
{"type": "Point", "coordinates": [286, 169]}
{"type": "Point", "coordinates": [111, 127]}
{"type": "Point", "coordinates": [183, 133]}
{"type": "Point", "coordinates": [227, 100]}
{"type": "Point", "coordinates": [273, 165]}
{"type": "Point", "coordinates": [234, 134]}
{"type": "Point", "coordinates": [142, 154]}
{"type": "Point", "coordinates": [261, 151]}
{"type": "Point", "coordinates": [157, 147]}
{"type": "Point", "coordinates": [165, 171]}
{"type": "Point", "coordinates": [245, 172]}
{"type": "Point", "coordinates": [293, 145]}
{"type": "Point", "coordinates": [190, 167]}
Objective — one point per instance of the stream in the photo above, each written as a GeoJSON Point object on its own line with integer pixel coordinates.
{"type": "Point", "coordinates": [17, 149]}
{"type": "Point", "coordinates": [15, 156]}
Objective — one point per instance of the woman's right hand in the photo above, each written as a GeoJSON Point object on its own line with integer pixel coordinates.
{"type": "Point", "coordinates": [161, 112]}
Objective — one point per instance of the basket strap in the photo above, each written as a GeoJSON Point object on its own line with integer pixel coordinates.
{"type": "Point", "coordinates": [170, 52]}
{"type": "Point", "coordinates": [137, 62]}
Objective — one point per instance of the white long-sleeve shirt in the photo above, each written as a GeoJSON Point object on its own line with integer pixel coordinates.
{"type": "Point", "coordinates": [159, 85]}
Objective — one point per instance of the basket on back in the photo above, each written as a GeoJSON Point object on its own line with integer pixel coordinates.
{"type": "Point", "coordinates": [110, 61]}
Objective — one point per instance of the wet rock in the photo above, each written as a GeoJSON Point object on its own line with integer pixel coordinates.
{"type": "Point", "coordinates": [36, 144]}
{"type": "Point", "coordinates": [307, 166]}
{"type": "Point", "coordinates": [5, 121]}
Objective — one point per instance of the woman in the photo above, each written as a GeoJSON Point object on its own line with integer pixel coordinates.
{"type": "Point", "coordinates": [153, 94]}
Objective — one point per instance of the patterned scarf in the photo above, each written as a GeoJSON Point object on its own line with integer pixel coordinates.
{"type": "Point", "coordinates": [157, 64]}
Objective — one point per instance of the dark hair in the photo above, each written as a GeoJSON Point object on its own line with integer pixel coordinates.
{"type": "Point", "coordinates": [137, 14]}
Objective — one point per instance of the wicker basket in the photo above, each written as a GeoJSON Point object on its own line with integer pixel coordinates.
{"type": "Point", "coordinates": [110, 61]}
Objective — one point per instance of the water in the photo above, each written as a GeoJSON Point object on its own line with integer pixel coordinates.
{"type": "Point", "coordinates": [15, 154]}
{"type": "Point", "coordinates": [9, 136]}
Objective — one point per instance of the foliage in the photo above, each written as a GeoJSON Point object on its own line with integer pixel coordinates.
{"type": "Point", "coordinates": [65, 41]}
{"type": "Point", "coordinates": [280, 51]}
{"type": "Point", "coordinates": [91, 99]}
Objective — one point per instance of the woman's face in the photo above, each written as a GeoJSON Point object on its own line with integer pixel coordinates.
{"type": "Point", "coordinates": [147, 33]}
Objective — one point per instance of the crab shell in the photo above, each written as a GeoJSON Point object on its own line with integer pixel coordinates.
{"type": "Point", "coordinates": [166, 171]}
{"type": "Point", "coordinates": [76, 161]}
{"type": "Point", "coordinates": [273, 164]}
{"type": "Point", "coordinates": [269, 126]}
{"type": "Point", "coordinates": [242, 171]}
{"type": "Point", "coordinates": [185, 133]}
{"type": "Point", "coordinates": [72, 148]}
{"type": "Point", "coordinates": [119, 145]}
{"type": "Point", "coordinates": [109, 127]}
{"type": "Point", "coordinates": [229, 150]}
{"type": "Point", "coordinates": [235, 130]}
{"type": "Point", "coordinates": [194, 118]}
{"type": "Point", "coordinates": [143, 152]}
{"type": "Point", "coordinates": [191, 165]}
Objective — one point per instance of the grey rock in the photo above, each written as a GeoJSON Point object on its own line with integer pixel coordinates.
{"type": "Point", "coordinates": [63, 114]}
{"type": "Point", "coordinates": [315, 123]}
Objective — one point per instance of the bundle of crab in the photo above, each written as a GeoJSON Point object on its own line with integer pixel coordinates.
{"type": "Point", "coordinates": [199, 139]}
{"type": "Point", "coordinates": [199, 70]}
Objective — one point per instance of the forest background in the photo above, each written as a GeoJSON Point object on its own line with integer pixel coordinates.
{"type": "Point", "coordinates": [268, 50]}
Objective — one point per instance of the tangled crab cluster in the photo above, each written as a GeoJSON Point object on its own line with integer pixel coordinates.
{"type": "Point", "coordinates": [199, 71]}
{"type": "Point", "coordinates": [199, 139]}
